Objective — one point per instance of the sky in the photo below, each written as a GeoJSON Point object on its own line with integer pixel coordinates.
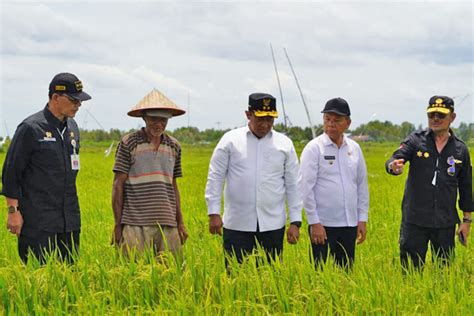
{"type": "Point", "coordinates": [385, 58]}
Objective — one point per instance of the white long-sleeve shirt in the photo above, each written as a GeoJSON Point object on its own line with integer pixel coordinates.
{"type": "Point", "coordinates": [333, 183]}
{"type": "Point", "coordinates": [259, 175]}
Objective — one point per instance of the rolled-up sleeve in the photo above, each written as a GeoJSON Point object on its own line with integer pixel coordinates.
{"type": "Point", "coordinates": [307, 179]}
{"type": "Point", "coordinates": [293, 195]}
{"type": "Point", "coordinates": [16, 161]}
{"type": "Point", "coordinates": [405, 151]}
{"type": "Point", "coordinates": [217, 174]}
{"type": "Point", "coordinates": [123, 158]}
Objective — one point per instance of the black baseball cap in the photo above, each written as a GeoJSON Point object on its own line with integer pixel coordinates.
{"type": "Point", "coordinates": [69, 84]}
{"type": "Point", "coordinates": [338, 106]}
{"type": "Point", "coordinates": [263, 104]}
{"type": "Point", "coordinates": [441, 104]}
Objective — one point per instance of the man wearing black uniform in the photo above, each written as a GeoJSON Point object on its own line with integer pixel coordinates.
{"type": "Point", "coordinates": [440, 166]}
{"type": "Point", "coordinates": [39, 175]}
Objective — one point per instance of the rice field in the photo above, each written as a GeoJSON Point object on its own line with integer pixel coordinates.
{"type": "Point", "coordinates": [103, 282]}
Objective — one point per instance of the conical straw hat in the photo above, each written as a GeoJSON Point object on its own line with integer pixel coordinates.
{"type": "Point", "coordinates": [153, 101]}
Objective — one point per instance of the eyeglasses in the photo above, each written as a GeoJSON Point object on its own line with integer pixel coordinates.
{"type": "Point", "coordinates": [337, 121]}
{"type": "Point", "coordinates": [71, 99]}
{"type": "Point", "coordinates": [438, 115]}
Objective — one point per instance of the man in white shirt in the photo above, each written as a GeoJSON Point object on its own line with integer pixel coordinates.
{"type": "Point", "coordinates": [259, 167]}
{"type": "Point", "coordinates": [333, 183]}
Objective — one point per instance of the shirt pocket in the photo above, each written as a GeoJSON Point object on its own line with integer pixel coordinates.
{"type": "Point", "coordinates": [48, 155]}
{"type": "Point", "coordinates": [352, 161]}
{"type": "Point", "coordinates": [274, 161]}
{"type": "Point", "coordinates": [328, 165]}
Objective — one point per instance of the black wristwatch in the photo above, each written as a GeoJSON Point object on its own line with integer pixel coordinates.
{"type": "Point", "coordinates": [12, 209]}
{"type": "Point", "coordinates": [297, 224]}
{"type": "Point", "coordinates": [467, 220]}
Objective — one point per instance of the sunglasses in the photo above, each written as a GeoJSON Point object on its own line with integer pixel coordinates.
{"type": "Point", "coordinates": [438, 115]}
{"type": "Point", "coordinates": [452, 166]}
{"type": "Point", "coordinates": [71, 99]}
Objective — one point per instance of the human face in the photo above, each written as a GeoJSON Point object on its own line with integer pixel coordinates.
{"type": "Point", "coordinates": [439, 123]}
{"type": "Point", "coordinates": [64, 106]}
{"type": "Point", "coordinates": [155, 125]}
{"type": "Point", "coordinates": [259, 125]}
{"type": "Point", "coordinates": [335, 125]}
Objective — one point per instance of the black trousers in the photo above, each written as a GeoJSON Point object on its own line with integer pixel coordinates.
{"type": "Point", "coordinates": [414, 241]}
{"type": "Point", "coordinates": [43, 243]}
{"type": "Point", "coordinates": [340, 245]}
{"type": "Point", "coordinates": [240, 244]}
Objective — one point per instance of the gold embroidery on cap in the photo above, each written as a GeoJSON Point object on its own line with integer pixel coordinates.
{"type": "Point", "coordinates": [439, 103]}
{"type": "Point", "coordinates": [60, 88]}
{"type": "Point", "coordinates": [78, 85]}
{"type": "Point", "coordinates": [266, 104]}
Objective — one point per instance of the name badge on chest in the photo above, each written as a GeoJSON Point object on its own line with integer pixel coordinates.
{"type": "Point", "coordinates": [330, 159]}
{"type": "Point", "coordinates": [75, 162]}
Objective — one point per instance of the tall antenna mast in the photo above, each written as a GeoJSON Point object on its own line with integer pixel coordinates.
{"type": "Point", "coordinates": [463, 99]}
{"type": "Point", "coordinates": [93, 117]}
{"type": "Point", "coordinates": [313, 131]}
{"type": "Point", "coordinates": [279, 87]}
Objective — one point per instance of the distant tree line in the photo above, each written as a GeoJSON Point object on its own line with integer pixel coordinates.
{"type": "Point", "coordinates": [376, 131]}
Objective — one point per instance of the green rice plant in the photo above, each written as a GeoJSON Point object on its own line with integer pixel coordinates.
{"type": "Point", "coordinates": [104, 282]}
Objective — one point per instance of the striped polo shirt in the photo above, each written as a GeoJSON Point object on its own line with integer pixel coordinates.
{"type": "Point", "coordinates": [148, 197]}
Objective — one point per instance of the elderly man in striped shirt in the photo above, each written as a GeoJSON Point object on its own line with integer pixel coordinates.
{"type": "Point", "coordinates": [145, 195]}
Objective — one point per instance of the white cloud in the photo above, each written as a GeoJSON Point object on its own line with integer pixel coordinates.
{"type": "Point", "coordinates": [383, 57]}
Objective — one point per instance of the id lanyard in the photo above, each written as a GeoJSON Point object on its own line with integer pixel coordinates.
{"type": "Point", "coordinates": [433, 182]}
{"type": "Point", "coordinates": [61, 133]}
{"type": "Point", "coordinates": [75, 162]}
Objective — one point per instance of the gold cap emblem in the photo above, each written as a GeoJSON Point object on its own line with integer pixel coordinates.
{"type": "Point", "coordinates": [266, 104]}
{"type": "Point", "coordinates": [78, 85]}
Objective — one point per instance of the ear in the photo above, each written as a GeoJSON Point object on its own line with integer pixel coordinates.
{"type": "Point", "coordinates": [453, 117]}
{"type": "Point", "coordinates": [248, 114]}
{"type": "Point", "coordinates": [349, 121]}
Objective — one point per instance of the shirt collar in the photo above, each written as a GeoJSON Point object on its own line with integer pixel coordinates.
{"type": "Point", "coordinates": [430, 133]}
{"type": "Point", "coordinates": [53, 120]}
{"type": "Point", "coordinates": [328, 142]}
{"type": "Point", "coordinates": [249, 132]}
{"type": "Point", "coordinates": [143, 134]}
